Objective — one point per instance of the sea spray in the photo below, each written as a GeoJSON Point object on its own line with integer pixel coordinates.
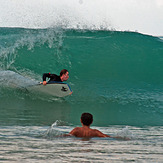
{"type": "Point", "coordinates": [125, 133]}
{"type": "Point", "coordinates": [54, 131]}
{"type": "Point", "coordinates": [84, 14]}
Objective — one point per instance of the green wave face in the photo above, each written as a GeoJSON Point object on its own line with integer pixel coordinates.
{"type": "Point", "coordinates": [115, 75]}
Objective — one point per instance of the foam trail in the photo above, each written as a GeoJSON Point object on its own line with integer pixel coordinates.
{"type": "Point", "coordinates": [12, 79]}
{"type": "Point", "coordinates": [143, 16]}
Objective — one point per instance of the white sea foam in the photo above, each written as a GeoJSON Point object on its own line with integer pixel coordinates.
{"type": "Point", "coordinates": [125, 133]}
{"type": "Point", "coordinates": [12, 79]}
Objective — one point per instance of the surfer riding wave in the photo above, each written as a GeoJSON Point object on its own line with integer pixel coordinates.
{"type": "Point", "coordinates": [64, 75]}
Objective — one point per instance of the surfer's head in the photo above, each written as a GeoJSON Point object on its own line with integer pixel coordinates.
{"type": "Point", "coordinates": [64, 75]}
{"type": "Point", "coordinates": [86, 119]}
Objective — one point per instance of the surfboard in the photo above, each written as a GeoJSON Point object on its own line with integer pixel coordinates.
{"type": "Point", "coordinates": [54, 88]}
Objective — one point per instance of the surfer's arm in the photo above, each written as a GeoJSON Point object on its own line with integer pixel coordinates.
{"type": "Point", "coordinates": [52, 77]}
{"type": "Point", "coordinates": [46, 75]}
{"type": "Point", "coordinates": [44, 82]}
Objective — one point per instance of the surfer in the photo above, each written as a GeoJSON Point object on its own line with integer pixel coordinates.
{"type": "Point", "coordinates": [64, 75]}
{"type": "Point", "coordinates": [85, 130]}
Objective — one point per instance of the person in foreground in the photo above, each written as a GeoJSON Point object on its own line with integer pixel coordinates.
{"type": "Point", "coordinates": [64, 75]}
{"type": "Point", "coordinates": [85, 130]}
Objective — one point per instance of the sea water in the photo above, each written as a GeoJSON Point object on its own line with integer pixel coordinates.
{"type": "Point", "coordinates": [115, 75]}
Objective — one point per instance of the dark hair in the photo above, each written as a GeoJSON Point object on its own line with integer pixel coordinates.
{"type": "Point", "coordinates": [86, 118]}
{"type": "Point", "coordinates": [63, 72]}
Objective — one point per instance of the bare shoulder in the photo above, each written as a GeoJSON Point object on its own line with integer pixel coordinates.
{"type": "Point", "coordinates": [75, 131]}
{"type": "Point", "coordinates": [100, 134]}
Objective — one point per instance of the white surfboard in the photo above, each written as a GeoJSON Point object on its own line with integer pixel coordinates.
{"type": "Point", "coordinates": [58, 89]}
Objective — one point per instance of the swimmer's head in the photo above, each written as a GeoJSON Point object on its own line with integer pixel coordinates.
{"type": "Point", "coordinates": [86, 119]}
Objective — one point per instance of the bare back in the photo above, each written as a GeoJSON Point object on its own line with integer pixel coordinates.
{"type": "Point", "coordinates": [87, 132]}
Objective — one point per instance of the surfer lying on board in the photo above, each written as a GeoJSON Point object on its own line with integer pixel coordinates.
{"type": "Point", "coordinates": [64, 75]}
{"type": "Point", "coordinates": [85, 131]}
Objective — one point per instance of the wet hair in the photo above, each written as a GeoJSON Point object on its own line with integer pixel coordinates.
{"type": "Point", "coordinates": [63, 72]}
{"type": "Point", "coordinates": [86, 118]}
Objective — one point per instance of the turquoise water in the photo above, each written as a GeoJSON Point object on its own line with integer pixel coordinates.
{"type": "Point", "coordinates": [116, 76]}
